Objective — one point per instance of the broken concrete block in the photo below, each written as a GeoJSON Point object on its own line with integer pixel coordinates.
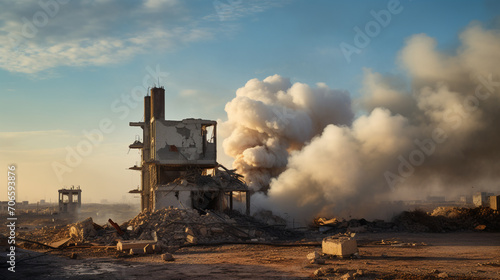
{"type": "Point", "coordinates": [191, 239]}
{"type": "Point", "coordinates": [315, 258]}
{"type": "Point", "coordinates": [148, 249]}
{"type": "Point", "coordinates": [341, 246]}
{"type": "Point", "coordinates": [167, 257]}
{"type": "Point", "coordinates": [443, 275]}
{"type": "Point", "coordinates": [495, 202]}
{"type": "Point", "coordinates": [347, 276]}
{"type": "Point", "coordinates": [312, 256]}
{"type": "Point", "coordinates": [125, 245]}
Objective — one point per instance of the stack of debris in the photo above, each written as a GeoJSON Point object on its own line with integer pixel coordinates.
{"type": "Point", "coordinates": [444, 219]}
{"type": "Point", "coordinates": [165, 228]}
{"type": "Point", "coordinates": [174, 226]}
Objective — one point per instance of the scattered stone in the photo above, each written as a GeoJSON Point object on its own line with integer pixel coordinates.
{"type": "Point", "coordinates": [347, 276]}
{"type": "Point", "coordinates": [480, 227]}
{"type": "Point", "coordinates": [443, 275]}
{"type": "Point", "coordinates": [319, 272]}
{"type": "Point", "coordinates": [358, 272]}
{"type": "Point", "coordinates": [167, 257]}
{"type": "Point", "coordinates": [315, 258]}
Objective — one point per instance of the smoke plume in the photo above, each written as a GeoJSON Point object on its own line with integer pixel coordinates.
{"type": "Point", "coordinates": [433, 131]}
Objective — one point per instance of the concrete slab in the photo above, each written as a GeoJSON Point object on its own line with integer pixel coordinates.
{"type": "Point", "coordinates": [339, 246]}
{"type": "Point", "coordinates": [126, 245]}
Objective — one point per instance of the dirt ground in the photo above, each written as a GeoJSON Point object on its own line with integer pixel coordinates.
{"type": "Point", "coordinates": [459, 255]}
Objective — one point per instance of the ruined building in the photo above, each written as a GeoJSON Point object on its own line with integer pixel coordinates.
{"type": "Point", "coordinates": [179, 162]}
{"type": "Point", "coordinates": [70, 200]}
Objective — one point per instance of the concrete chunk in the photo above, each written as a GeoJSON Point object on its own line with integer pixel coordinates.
{"type": "Point", "coordinates": [125, 245]}
{"type": "Point", "coordinates": [315, 258]}
{"type": "Point", "coordinates": [167, 257]}
{"type": "Point", "coordinates": [191, 239]}
{"type": "Point", "coordinates": [339, 246]}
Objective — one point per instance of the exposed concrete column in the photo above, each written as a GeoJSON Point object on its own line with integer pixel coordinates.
{"type": "Point", "coordinates": [158, 103]}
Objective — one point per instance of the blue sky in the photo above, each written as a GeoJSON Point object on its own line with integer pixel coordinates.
{"type": "Point", "coordinates": [66, 75]}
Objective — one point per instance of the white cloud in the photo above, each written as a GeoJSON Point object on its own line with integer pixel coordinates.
{"type": "Point", "coordinates": [158, 4]}
{"type": "Point", "coordinates": [91, 33]}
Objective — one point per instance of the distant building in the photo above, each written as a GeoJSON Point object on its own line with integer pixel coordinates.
{"type": "Point", "coordinates": [481, 199]}
{"type": "Point", "coordinates": [70, 200]}
{"type": "Point", "coordinates": [465, 199]}
{"type": "Point", "coordinates": [495, 202]}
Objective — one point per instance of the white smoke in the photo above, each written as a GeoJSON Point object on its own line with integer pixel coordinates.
{"type": "Point", "coordinates": [268, 119]}
{"type": "Point", "coordinates": [437, 134]}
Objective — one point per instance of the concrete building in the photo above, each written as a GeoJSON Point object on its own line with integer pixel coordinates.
{"type": "Point", "coordinates": [70, 200]}
{"type": "Point", "coordinates": [179, 162]}
{"type": "Point", "coordinates": [481, 199]}
{"type": "Point", "coordinates": [495, 202]}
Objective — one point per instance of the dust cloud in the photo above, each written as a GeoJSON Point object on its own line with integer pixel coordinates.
{"type": "Point", "coordinates": [431, 131]}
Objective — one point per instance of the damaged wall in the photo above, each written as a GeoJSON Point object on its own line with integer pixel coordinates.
{"type": "Point", "coordinates": [184, 142]}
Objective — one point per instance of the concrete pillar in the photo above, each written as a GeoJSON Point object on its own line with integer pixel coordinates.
{"type": "Point", "coordinates": [158, 103]}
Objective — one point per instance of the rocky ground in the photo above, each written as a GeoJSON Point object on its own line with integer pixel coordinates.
{"type": "Point", "coordinates": [447, 243]}
{"type": "Point", "coordinates": [459, 255]}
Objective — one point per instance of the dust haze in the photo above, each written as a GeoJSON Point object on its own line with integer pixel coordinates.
{"type": "Point", "coordinates": [313, 150]}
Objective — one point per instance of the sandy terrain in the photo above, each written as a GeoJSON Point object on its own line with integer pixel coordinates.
{"type": "Point", "coordinates": [461, 255]}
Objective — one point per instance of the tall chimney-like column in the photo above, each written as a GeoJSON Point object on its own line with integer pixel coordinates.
{"type": "Point", "coordinates": [158, 103]}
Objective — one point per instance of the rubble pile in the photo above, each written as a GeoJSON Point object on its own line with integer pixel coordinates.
{"type": "Point", "coordinates": [83, 231]}
{"type": "Point", "coordinates": [444, 219]}
{"type": "Point", "coordinates": [166, 227]}
{"type": "Point", "coordinates": [172, 226]}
